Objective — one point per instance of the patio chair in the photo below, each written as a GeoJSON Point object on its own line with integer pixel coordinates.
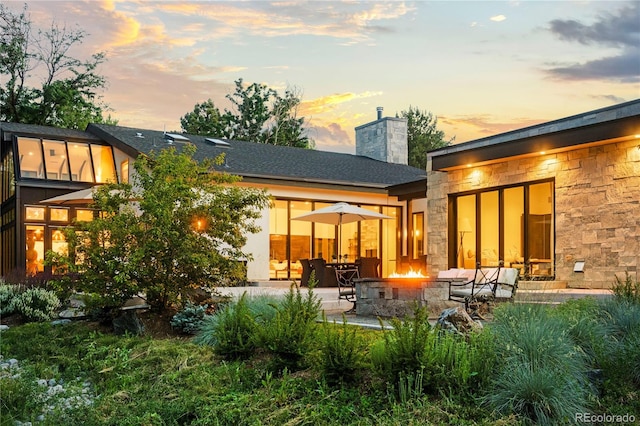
{"type": "Point", "coordinates": [368, 267]}
{"type": "Point", "coordinates": [325, 274]}
{"type": "Point", "coordinates": [306, 272]}
{"type": "Point", "coordinates": [346, 286]}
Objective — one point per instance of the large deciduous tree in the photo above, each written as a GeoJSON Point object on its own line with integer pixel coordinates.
{"type": "Point", "coordinates": [66, 94]}
{"type": "Point", "coordinates": [186, 227]}
{"type": "Point", "coordinates": [258, 114]}
{"type": "Point", "coordinates": [422, 135]}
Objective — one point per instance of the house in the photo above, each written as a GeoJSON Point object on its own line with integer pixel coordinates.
{"type": "Point", "coordinates": [43, 162]}
{"type": "Point", "coordinates": [560, 200]}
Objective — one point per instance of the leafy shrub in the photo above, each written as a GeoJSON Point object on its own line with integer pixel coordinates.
{"type": "Point", "coordinates": [404, 347]}
{"type": "Point", "coordinates": [627, 289]}
{"type": "Point", "coordinates": [290, 334]}
{"type": "Point", "coordinates": [8, 294]}
{"type": "Point", "coordinates": [342, 352]}
{"type": "Point", "coordinates": [37, 304]}
{"type": "Point", "coordinates": [414, 354]}
{"type": "Point", "coordinates": [542, 373]}
{"type": "Point", "coordinates": [230, 331]}
{"type": "Point", "coordinates": [190, 319]}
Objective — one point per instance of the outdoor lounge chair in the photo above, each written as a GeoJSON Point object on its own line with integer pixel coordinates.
{"type": "Point", "coordinates": [325, 274]}
{"type": "Point", "coordinates": [306, 272]}
{"type": "Point", "coordinates": [480, 286]}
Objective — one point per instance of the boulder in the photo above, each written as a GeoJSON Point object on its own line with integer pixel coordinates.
{"type": "Point", "coordinates": [458, 320]}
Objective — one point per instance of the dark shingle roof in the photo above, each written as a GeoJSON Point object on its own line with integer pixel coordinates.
{"type": "Point", "coordinates": [43, 131]}
{"type": "Point", "coordinates": [264, 161]}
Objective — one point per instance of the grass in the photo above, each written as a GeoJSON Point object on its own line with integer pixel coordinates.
{"type": "Point", "coordinates": [536, 371]}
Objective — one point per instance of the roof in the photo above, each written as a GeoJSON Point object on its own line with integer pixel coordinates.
{"type": "Point", "coordinates": [586, 129]}
{"type": "Point", "coordinates": [265, 162]}
{"type": "Point", "coordinates": [46, 131]}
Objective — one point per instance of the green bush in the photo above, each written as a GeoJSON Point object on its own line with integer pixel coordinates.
{"type": "Point", "coordinates": [403, 351]}
{"type": "Point", "coordinates": [342, 352]}
{"type": "Point", "coordinates": [541, 374]}
{"type": "Point", "coordinates": [414, 355]}
{"type": "Point", "coordinates": [627, 289]}
{"type": "Point", "coordinates": [8, 294]}
{"type": "Point", "coordinates": [289, 336]}
{"type": "Point", "coordinates": [190, 319]}
{"type": "Point", "coordinates": [37, 304]}
{"type": "Point", "coordinates": [230, 331]}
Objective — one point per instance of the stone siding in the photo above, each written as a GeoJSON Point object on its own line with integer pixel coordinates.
{"type": "Point", "coordinates": [384, 140]}
{"type": "Point", "coordinates": [597, 208]}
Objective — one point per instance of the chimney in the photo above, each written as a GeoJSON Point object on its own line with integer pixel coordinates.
{"type": "Point", "coordinates": [384, 139]}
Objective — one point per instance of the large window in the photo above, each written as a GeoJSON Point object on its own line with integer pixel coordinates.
{"type": "Point", "coordinates": [292, 240]}
{"type": "Point", "coordinates": [514, 225]}
{"type": "Point", "coordinates": [60, 160]}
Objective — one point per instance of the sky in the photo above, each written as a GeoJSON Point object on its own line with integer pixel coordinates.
{"type": "Point", "coordinates": [480, 67]}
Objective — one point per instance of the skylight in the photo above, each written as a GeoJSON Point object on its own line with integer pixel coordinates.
{"type": "Point", "coordinates": [217, 142]}
{"type": "Point", "coordinates": [176, 137]}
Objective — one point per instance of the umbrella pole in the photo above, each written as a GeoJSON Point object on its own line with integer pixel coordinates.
{"type": "Point", "coordinates": [339, 238]}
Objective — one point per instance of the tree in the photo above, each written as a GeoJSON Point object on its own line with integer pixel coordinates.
{"type": "Point", "coordinates": [259, 114]}
{"type": "Point", "coordinates": [186, 229]}
{"type": "Point", "coordinates": [205, 120]}
{"type": "Point", "coordinates": [422, 135]}
{"type": "Point", "coordinates": [67, 95]}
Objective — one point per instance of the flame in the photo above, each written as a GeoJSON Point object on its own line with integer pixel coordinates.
{"type": "Point", "coordinates": [410, 274]}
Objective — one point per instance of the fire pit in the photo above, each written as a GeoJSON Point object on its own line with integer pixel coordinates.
{"type": "Point", "coordinates": [397, 296]}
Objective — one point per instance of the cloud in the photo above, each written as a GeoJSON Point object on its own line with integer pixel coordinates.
{"type": "Point", "coordinates": [331, 137]}
{"type": "Point", "coordinates": [498, 18]}
{"type": "Point", "coordinates": [329, 103]}
{"type": "Point", "coordinates": [485, 125]}
{"type": "Point", "coordinates": [624, 68]}
{"type": "Point", "coordinates": [618, 30]}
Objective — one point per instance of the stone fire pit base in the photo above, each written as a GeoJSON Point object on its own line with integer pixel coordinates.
{"type": "Point", "coordinates": [396, 297]}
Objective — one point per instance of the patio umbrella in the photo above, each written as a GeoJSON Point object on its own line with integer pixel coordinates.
{"type": "Point", "coordinates": [81, 197]}
{"type": "Point", "coordinates": [340, 213]}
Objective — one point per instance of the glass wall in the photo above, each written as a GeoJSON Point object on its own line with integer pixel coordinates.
{"type": "Point", "coordinates": [512, 224]}
{"type": "Point", "coordinates": [65, 161]}
{"type": "Point", "coordinates": [292, 240]}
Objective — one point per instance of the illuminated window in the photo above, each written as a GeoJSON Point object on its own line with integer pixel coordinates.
{"type": "Point", "coordinates": [55, 160]}
{"type": "Point", "coordinates": [34, 249]}
{"type": "Point", "coordinates": [103, 163]}
{"type": "Point", "coordinates": [30, 158]}
{"type": "Point", "coordinates": [59, 215]}
{"type": "Point", "coordinates": [34, 213]}
{"type": "Point", "coordinates": [124, 171]}
{"type": "Point", "coordinates": [84, 215]}
{"type": "Point", "coordinates": [417, 228]}
{"type": "Point", "coordinates": [80, 162]}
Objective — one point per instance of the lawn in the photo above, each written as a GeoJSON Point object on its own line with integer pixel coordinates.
{"type": "Point", "coordinates": [532, 364]}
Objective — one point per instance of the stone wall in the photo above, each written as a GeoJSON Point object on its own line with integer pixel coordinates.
{"type": "Point", "coordinates": [384, 140]}
{"type": "Point", "coordinates": [597, 208]}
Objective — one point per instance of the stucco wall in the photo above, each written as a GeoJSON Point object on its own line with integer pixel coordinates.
{"type": "Point", "coordinates": [597, 208]}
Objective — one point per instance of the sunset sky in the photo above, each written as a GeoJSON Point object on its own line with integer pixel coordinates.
{"type": "Point", "coordinates": [481, 67]}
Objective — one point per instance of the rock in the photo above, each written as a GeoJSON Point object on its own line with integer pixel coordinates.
{"type": "Point", "coordinates": [60, 322]}
{"type": "Point", "coordinates": [72, 313]}
{"type": "Point", "coordinates": [458, 320]}
{"type": "Point", "coordinates": [4, 327]}
{"type": "Point", "coordinates": [129, 322]}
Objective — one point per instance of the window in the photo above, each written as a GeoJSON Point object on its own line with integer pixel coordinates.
{"type": "Point", "coordinates": [55, 160]}
{"type": "Point", "coordinates": [30, 158]}
{"type": "Point", "coordinates": [58, 214]}
{"type": "Point", "coordinates": [34, 249]}
{"type": "Point", "coordinates": [103, 164]}
{"type": "Point", "coordinates": [124, 171]}
{"type": "Point", "coordinates": [417, 237]}
{"type": "Point", "coordinates": [512, 224]}
{"type": "Point", "coordinates": [84, 215]}
{"type": "Point", "coordinates": [34, 213]}
{"type": "Point", "coordinates": [80, 162]}
{"type": "Point", "coordinates": [76, 161]}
